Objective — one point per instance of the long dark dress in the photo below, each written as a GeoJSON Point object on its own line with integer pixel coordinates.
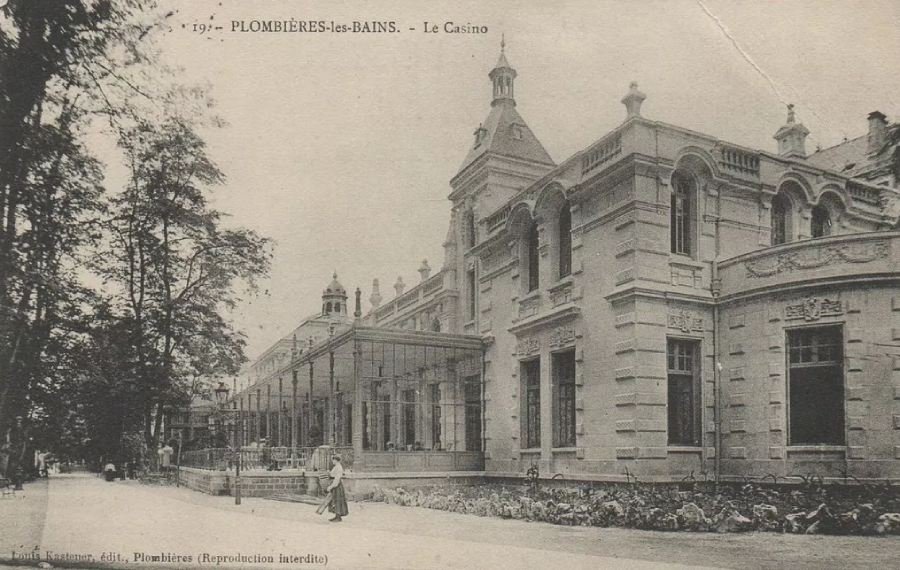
{"type": "Point", "coordinates": [338, 504]}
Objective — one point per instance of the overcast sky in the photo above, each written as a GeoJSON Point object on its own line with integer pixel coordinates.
{"type": "Point", "coordinates": [341, 146]}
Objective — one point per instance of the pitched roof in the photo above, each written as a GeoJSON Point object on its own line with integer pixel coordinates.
{"type": "Point", "coordinates": [506, 133]}
{"type": "Point", "coordinates": [852, 152]}
{"type": "Point", "coordinates": [852, 157]}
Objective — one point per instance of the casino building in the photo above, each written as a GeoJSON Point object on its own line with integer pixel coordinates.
{"type": "Point", "coordinates": [663, 304]}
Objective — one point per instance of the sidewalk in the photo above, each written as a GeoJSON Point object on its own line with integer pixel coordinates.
{"type": "Point", "coordinates": [88, 517]}
{"type": "Point", "coordinates": [22, 517]}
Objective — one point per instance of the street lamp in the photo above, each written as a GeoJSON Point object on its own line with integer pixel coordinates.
{"type": "Point", "coordinates": [221, 393]}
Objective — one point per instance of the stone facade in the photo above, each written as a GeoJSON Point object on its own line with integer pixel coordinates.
{"type": "Point", "coordinates": [638, 299]}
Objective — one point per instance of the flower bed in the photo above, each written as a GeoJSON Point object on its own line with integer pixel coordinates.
{"type": "Point", "coordinates": [839, 509]}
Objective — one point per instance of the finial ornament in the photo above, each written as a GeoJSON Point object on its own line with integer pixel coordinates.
{"type": "Point", "coordinates": [790, 117]}
{"type": "Point", "coordinates": [502, 43]}
{"type": "Point", "coordinates": [633, 100]}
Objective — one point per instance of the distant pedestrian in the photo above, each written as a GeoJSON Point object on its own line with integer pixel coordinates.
{"type": "Point", "coordinates": [338, 504]}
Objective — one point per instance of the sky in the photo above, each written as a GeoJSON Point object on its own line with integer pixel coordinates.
{"type": "Point", "coordinates": [340, 146]}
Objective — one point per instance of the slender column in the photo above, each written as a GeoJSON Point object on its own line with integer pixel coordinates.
{"type": "Point", "coordinates": [240, 422]}
{"type": "Point", "coordinates": [310, 413]}
{"type": "Point", "coordinates": [268, 413]}
{"type": "Point", "coordinates": [332, 401]}
{"type": "Point", "coordinates": [356, 426]}
{"type": "Point", "coordinates": [280, 440]}
{"type": "Point", "coordinates": [258, 415]}
{"type": "Point", "coordinates": [294, 423]}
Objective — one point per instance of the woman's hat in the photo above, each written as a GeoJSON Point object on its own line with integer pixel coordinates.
{"type": "Point", "coordinates": [336, 457]}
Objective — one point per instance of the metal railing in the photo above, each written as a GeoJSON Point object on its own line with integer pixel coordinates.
{"type": "Point", "coordinates": [252, 458]}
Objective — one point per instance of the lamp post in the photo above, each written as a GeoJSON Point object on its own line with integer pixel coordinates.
{"type": "Point", "coordinates": [221, 393]}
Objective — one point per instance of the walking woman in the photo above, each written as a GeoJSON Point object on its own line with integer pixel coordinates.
{"type": "Point", "coordinates": [338, 504]}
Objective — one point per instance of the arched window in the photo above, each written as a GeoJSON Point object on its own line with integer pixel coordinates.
{"type": "Point", "coordinates": [781, 219]}
{"type": "Point", "coordinates": [532, 255]}
{"type": "Point", "coordinates": [565, 241]}
{"type": "Point", "coordinates": [436, 324]}
{"type": "Point", "coordinates": [337, 307]}
{"type": "Point", "coordinates": [328, 307]}
{"type": "Point", "coordinates": [821, 222]}
{"type": "Point", "coordinates": [681, 213]}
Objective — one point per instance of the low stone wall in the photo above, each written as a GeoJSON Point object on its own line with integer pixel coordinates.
{"type": "Point", "coordinates": [253, 483]}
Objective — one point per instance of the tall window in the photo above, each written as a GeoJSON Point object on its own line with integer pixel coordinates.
{"type": "Point", "coordinates": [781, 209]}
{"type": "Point", "coordinates": [821, 222]}
{"type": "Point", "coordinates": [531, 244]}
{"type": "Point", "coordinates": [409, 417]}
{"type": "Point", "coordinates": [680, 214]}
{"type": "Point", "coordinates": [564, 399]}
{"type": "Point", "coordinates": [435, 416]}
{"type": "Point", "coordinates": [683, 392]}
{"type": "Point", "coordinates": [565, 241]}
{"type": "Point", "coordinates": [531, 419]}
{"type": "Point", "coordinates": [472, 390]}
{"type": "Point", "coordinates": [816, 386]}
{"type": "Point", "coordinates": [470, 294]}
{"type": "Point", "coordinates": [470, 228]}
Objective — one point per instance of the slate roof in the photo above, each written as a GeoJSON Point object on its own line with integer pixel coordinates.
{"type": "Point", "coordinates": [500, 137]}
{"type": "Point", "coordinates": [852, 157]}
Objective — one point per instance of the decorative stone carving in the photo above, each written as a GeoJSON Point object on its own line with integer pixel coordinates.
{"type": "Point", "coordinates": [685, 321]}
{"type": "Point", "coordinates": [561, 295]}
{"type": "Point", "coordinates": [528, 346]}
{"type": "Point", "coordinates": [529, 307]}
{"type": "Point", "coordinates": [562, 336]}
{"type": "Point", "coordinates": [493, 259]}
{"type": "Point", "coordinates": [812, 309]}
{"type": "Point", "coordinates": [816, 257]}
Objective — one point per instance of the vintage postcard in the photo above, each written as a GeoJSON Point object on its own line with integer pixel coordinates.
{"type": "Point", "coordinates": [497, 284]}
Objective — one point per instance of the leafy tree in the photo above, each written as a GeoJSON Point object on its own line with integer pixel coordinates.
{"type": "Point", "coordinates": [174, 266]}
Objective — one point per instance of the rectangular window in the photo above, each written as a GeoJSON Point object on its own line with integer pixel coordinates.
{"type": "Point", "coordinates": [815, 386]}
{"type": "Point", "coordinates": [531, 384]}
{"type": "Point", "coordinates": [409, 417]}
{"type": "Point", "coordinates": [435, 416]}
{"type": "Point", "coordinates": [470, 293]}
{"type": "Point", "coordinates": [564, 399]}
{"type": "Point", "coordinates": [683, 403]}
{"type": "Point", "coordinates": [680, 215]}
{"type": "Point", "coordinates": [533, 257]}
{"type": "Point", "coordinates": [472, 390]}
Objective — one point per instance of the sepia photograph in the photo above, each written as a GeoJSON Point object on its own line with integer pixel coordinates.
{"type": "Point", "coordinates": [503, 284]}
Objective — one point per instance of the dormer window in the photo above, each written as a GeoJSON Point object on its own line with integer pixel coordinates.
{"type": "Point", "coordinates": [480, 134]}
{"type": "Point", "coordinates": [517, 132]}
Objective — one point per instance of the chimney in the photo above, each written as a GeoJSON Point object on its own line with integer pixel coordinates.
{"type": "Point", "coordinates": [399, 286]}
{"type": "Point", "coordinates": [877, 131]}
{"type": "Point", "coordinates": [357, 313]}
{"type": "Point", "coordinates": [424, 270]}
{"type": "Point", "coordinates": [633, 100]}
{"type": "Point", "coordinates": [375, 297]}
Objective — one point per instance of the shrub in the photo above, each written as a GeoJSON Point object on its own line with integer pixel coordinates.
{"type": "Point", "coordinates": [813, 509]}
